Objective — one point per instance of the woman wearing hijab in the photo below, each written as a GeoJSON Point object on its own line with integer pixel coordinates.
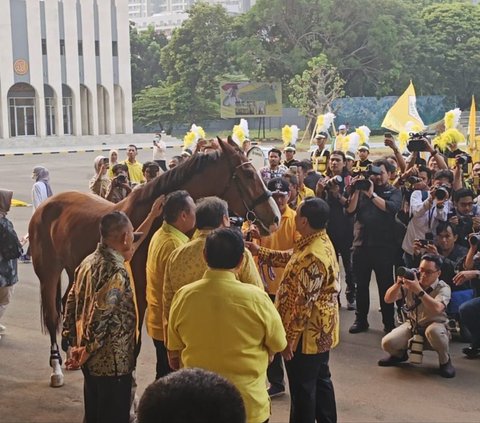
{"type": "Point", "coordinates": [10, 250]}
{"type": "Point", "coordinates": [41, 188]}
{"type": "Point", "coordinates": [113, 160]}
{"type": "Point", "coordinates": [100, 182]}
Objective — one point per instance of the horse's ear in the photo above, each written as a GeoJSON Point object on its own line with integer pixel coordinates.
{"type": "Point", "coordinates": [231, 142]}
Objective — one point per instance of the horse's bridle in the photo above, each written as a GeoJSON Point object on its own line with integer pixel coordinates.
{"type": "Point", "coordinates": [250, 216]}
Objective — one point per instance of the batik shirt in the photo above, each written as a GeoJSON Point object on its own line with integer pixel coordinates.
{"type": "Point", "coordinates": [266, 173]}
{"type": "Point", "coordinates": [307, 296]}
{"type": "Point", "coordinates": [8, 268]}
{"type": "Point", "coordinates": [100, 313]}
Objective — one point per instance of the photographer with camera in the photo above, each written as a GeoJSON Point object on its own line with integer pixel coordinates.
{"type": "Point", "coordinates": [340, 225]}
{"type": "Point", "coordinates": [465, 215]}
{"type": "Point", "coordinates": [119, 185]}
{"type": "Point", "coordinates": [100, 181]}
{"type": "Point", "coordinates": [159, 152]}
{"type": "Point", "coordinates": [426, 299]}
{"type": "Point", "coordinates": [374, 204]}
{"type": "Point", "coordinates": [427, 209]}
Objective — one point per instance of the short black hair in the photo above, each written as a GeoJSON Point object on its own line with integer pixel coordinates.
{"type": "Point", "coordinates": [427, 170]}
{"type": "Point", "coordinates": [118, 167]}
{"type": "Point", "coordinates": [210, 212]}
{"type": "Point", "coordinates": [291, 178]}
{"type": "Point", "coordinates": [339, 153]}
{"type": "Point", "coordinates": [444, 225]}
{"type": "Point", "coordinates": [463, 192]}
{"type": "Point", "coordinates": [113, 223]}
{"type": "Point", "coordinates": [175, 203]}
{"type": "Point", "coordinates": [435, 258]}
{"type": "Point", "coordinates": [133, 146]}
{"type": "Point", "coordinates": [316, 211]}
{"type": "Point", "coordinates": [276, 151]}
{"type": "Point", "coordinates": [442, 174]}
{"type": "Point", "coordinates": [148, 165]}
{"type": "Point", "coordinates": [386, 164]}
{"type": "Point", "coordinates": [191, 395]}
{"type": "Point", "coordinates": [224, 248]}
{"type": "Point", "coordinates": [304, 166]}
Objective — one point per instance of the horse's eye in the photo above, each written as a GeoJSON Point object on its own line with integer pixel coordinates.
{"type": "Point", "coordinates": [249, 173]}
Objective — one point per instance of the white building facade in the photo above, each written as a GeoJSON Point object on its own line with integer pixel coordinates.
{"type": "Point", "coordinates": [65, 68]}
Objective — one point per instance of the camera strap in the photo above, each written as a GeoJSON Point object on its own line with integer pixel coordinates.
{"type": "Point", "coordinates": [416, 300]}
{"type": "Point", "coordinates": [430, 217]}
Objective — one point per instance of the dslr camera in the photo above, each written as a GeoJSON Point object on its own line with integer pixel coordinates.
{"type": "Point", "coordinates": [121, 179]}
{"type": "Point", "coordinates": [336, 180]}
{"type": "Point", "coordinates": [407, 273]}
{"type": "Point", "coordinates": [236, 221]}
{"type": "Point", "coordinates": [474, 239]}
{"type": "Point", "coordinates": [418, 141]}
{"type": "Point", "coordinates": [364, 184]}
{"type": "Point", "coordinates": [442, 192]}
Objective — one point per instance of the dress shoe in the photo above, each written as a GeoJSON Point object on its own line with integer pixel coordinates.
{"type": "Point", "coordinates": [391, 360]}
{"type": "Point", "coordinates": [471, 352]}
{"type": "Point", "coordinates": [351, 305]}
{"type": "Point", "coordinates": [447, 369]}
{"type": "Point", "coordinates": [276, 391]}
{"type": "Point", "coordinates": [358, 326]}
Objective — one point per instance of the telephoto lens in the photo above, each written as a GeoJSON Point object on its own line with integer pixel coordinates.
{"type": "Point", "coordinates": [441, 193]}
{"type": "Point", "coordinates": [416, 349]}
{"type": "Point", "coordinates": [474, 239]}
{"type": "Point", "coordinates": [406, 273]}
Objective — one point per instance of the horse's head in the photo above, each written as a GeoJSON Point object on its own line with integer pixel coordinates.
{"type": "Point", "coordinates": [246, 193]}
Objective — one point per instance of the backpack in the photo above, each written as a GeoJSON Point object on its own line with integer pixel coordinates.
{"type": "Point", "coordinates": [10, 247]}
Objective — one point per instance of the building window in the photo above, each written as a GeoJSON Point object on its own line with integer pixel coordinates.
{"type": "Point", "coordinates": [97, 48]}
{"type": "Point", "coordinates": [44, 47]}
{"type": "Point", "coordinates": [80, 48]}
{"type": "Point", "coordinates": [115, 48]}
{"type": "Point", "coordinates": [62, 47]}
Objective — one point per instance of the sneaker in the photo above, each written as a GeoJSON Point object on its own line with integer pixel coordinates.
{"type": "Point", "coordinates": [391, 360]}
{"type": "Point", "coordinates": [447, 370]}
{"type": "Point", "coordinates": [471, 352]}
{"type": "Point", "coordinates": [359, 326]}
{"type": "Point", "coordinates": [276, 391]}
{"type": "Point", "coordinates": [25, 259]}
{"type": "Point", "coordinates": [351, 305]}
{"type": "Point", "coordinates": [3, 330]}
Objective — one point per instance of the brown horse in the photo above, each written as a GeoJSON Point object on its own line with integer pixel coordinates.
{"type": "Point", "coordinates": [65, 228]}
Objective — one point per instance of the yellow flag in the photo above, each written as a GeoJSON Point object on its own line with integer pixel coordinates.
{"type": "Point", "coordinates": [472, 123]}
{"type": "Point", "coordinates": [403, 111]}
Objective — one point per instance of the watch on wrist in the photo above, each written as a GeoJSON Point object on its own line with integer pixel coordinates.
{"type": "Point", "coordinates": [374, 195]}
{"type": "Point", "coordinates": [421, 294]}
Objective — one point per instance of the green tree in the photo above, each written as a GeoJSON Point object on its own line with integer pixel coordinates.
{"type": "Point", "coordinates": [449, 51]}
{"type": "Point", "coordinates": [314, 90]}
{"type": "Point", "coordinates": [194, 60]}
{"type": "Point", "coordinates": [145, 47]}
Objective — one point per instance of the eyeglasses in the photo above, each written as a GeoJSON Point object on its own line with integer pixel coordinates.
{"type": "Point", "coordinates": [428, 272]}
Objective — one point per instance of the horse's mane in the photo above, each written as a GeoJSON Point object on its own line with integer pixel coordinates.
{"type": "Point", "coordinates": [174, 178]}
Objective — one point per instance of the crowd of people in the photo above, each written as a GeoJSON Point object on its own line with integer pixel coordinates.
{"type": "Point", "coordinates": [224, 299]}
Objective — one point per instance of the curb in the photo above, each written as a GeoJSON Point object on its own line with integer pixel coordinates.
{"type": "Point", "coordinates": [88, 150]}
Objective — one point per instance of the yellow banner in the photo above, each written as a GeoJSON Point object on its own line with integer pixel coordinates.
{"type": "Point", "coordinates": [403, 111]}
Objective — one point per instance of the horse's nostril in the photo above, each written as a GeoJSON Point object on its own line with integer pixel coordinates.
{"type": "Point", "coordinates": [276, 219]}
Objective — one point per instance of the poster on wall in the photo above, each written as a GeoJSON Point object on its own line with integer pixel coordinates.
{"type": "Point", "coordinates": [250, 99]}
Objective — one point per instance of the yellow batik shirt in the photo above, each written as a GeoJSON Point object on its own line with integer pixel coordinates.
{"type": "Point", "coordinates": [187, 265]}
{"type": "Point", "coordinates": [307, 296]}
{"type": "Point", "coordinates": [303, 193]}
{"type": "Point", "coordinates": [100, 313]}
{"type": "Point", "coordinates": [230, 328]}
{"type": "Point", "coordinates": [163, 243]}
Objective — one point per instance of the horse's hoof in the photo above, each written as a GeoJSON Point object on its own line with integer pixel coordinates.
{"type": "Point", "coordinates": [56, 380]}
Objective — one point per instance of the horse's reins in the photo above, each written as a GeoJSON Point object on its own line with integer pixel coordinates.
{"type": "Point", "coordinates": [250, 216]}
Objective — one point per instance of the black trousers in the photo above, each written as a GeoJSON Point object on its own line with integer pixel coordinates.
{"type": "Point", "coordinates": [275, 373]}
{"type": "Point", "coordinates": [311, 389]}
{"type": "Point", "coordinates": [162, 368]}
{"type": "Point", "coordinates": [107, 398]}
{"type": "Point", "coordinates": [345, 252]}
{"type": "Point", "coordinates": [162, 164]}
{"type": "Point", "coordinates": [380, 260]}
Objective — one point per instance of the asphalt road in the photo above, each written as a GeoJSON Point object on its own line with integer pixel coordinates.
{"type": "Point", "coordinates": [365, 392]}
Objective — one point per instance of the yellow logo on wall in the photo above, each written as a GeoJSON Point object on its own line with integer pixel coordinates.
{"type": "Point", "coordinates": [20, 67]}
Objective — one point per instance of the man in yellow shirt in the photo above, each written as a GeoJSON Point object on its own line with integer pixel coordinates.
{"type": "Point", "coordinates": [135, 171]}
{"type": "Point", "coordinates": [179, 219]}
{"type": "Point", "coordinates": [303, 190]}
{"type": "Point", "coordinates": [187, 264]}
{"type": "Point", "coordinates": [225, 326]}
{"type": "Point", "coordinates": [282, 239]}
{"type": "Point", "coordinates": [307, 303]}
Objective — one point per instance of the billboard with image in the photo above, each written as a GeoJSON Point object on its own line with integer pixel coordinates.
{"type": "Point", "coordinates": [250, 99]}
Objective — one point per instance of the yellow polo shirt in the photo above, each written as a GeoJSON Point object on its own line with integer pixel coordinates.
{"type": "Point", "coordinates": [228, 327]}
{"type": "Point", "coordinates": [163, 242]}
{"type": "Point", "coordinates": [186, 265]}
{"type": "Point", "coordinates": [135, 171]}
{"type": "Point", "coordinates": [282, 239]}
{"type": "Point", "coordinates": [304, 193]}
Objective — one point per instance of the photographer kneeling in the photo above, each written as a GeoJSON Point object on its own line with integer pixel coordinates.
{"type": "Point", "coordinates": [426, 300]}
